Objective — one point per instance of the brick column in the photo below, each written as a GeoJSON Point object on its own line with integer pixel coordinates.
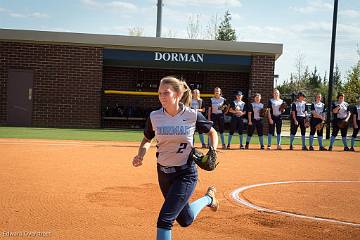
{"type": "Point", "coordinates": [262, 79]}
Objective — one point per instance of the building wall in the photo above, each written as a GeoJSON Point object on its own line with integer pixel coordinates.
{"type": "Point", "coordinates": [67, 82]}
{"type": "Point", "coordinates": [262, 79]}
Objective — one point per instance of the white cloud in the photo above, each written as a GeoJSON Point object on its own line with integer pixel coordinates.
{"type": "Point", "coordinates": [23, 15]}
{"type": "Point", "coordinates": [17, 15]}
{"type": "Point", "coordinates": [350, 13]}
{"type": "Point", "coordinates": [113, 5]}
{"type": "Point", "coordinates": [313, 6]}
{"type": "Point", "coordinates": [232, 3]}
{"type": "Point", "coordinates": [38, 15]}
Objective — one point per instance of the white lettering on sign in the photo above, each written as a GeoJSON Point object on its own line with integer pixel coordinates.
{"type": "Point", "coordinates": [179, 57]}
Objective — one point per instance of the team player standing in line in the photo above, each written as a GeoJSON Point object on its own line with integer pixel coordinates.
{"type": "Point", "coordinates": [298, 115]}
{"type": "Point", "coordinates": [317, 116]}
{"type": "Point", "coordinates": [237, 110]}
{"type": "Point", "coordinates": [174, 125]}
{"type": "Point", "coordinates": [274, 117]}
{"type": "Point", "coordinates": [198, 103]}
{"type": "Point", "coordinates": [255, 121]}
{"type": "Point", "coordinates": [356, 123]}
{"type": "Point", "coordinates": [341, 113]}
{"type": "Point", "coordinates": [216, 114]}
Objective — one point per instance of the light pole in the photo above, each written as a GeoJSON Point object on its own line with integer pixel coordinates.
{"type": "Point", "coordinates": [159, 17]}
{"type": "Point", "coordinates": [331, 76]}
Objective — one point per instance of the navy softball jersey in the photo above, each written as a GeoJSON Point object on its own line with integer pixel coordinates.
{"type": "Point", "coordinates": [343, 111]}
{"type": "Point", "coordinates": [215, 104]}
{"type": "Point", "coordinates": [319, 108]}
{"type": "Point", "coordinates": [255, 109]}
{"type": "Point", "coordinates": [299, 108]}
{"type": "Point", "coordinates": [274, 106]}
{"type": "Point", "coordinates": [356, 112]}
{"type": "Point", "coordinates": [237, 105]}
{"type": "Point", "coordinates": [174, 134]}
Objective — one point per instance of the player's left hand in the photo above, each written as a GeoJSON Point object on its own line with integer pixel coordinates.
{"type": "Point", "coordinates": [137, 161]}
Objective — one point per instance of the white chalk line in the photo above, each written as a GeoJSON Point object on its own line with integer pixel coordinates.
{"type": "Point", "coordinates": [237, 198]}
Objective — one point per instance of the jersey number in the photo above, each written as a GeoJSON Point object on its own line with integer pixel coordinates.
{"type": "Point", "coordinates": [182, 147]}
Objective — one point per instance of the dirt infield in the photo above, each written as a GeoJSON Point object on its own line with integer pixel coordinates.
{"type": "Point", "coordinates": [89, 190]}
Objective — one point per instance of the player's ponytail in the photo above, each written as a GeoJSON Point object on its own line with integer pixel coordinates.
{"type": "Point", "coordinates": [187, 97]}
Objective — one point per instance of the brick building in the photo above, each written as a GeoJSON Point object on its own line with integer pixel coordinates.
{"type": "Point", "coordinates": [56, 79]}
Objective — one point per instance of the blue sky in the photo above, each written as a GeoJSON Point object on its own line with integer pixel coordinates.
{"type": "Point", "coordinates": [303, 26]}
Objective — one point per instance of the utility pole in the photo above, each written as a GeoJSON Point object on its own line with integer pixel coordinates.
{"type": "Point", "coordinates": [331, 76]}
{"type": "Point", "coordinates": [159, 16]}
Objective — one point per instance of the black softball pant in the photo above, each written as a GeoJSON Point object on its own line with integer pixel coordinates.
{"type": "Point", "coordinates": [336, 129]}
{"type": "Point", "coordinates": [177, 189]}
{"type": "Point", "coordinates": [277, 123]}
{"type": "Point", "coordinates": [236, 124]}
{"type": "Point", "coordinates": [218, 122]}
{"type": "Point", "coordinates": [255, 124]}
{"type": "Point", "coordinates": [294, 127]}
{"type": "Point", "coordinates": [313, 123]}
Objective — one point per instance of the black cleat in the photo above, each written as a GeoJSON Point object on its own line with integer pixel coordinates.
{"type": "Point", "coordinates": [346, 149]}
{"type": "Point", "coordinates": [322, 149]}
{"type": "Point", "coordinates": [311, 148]}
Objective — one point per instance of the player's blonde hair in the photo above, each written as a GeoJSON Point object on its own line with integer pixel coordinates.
{"type": "Point", "coordinates": [179, 86]}
{"type": "Point", "coordinates": [277, 91]}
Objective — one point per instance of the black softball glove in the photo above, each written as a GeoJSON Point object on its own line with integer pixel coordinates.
{"type": "Point", "coordinates": [206, 162]}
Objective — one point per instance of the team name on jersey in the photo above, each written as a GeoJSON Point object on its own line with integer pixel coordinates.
{"type": "Point", "coordinates": [173, 130]}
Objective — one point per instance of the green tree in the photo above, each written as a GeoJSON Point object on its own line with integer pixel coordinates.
{"type": "Point", "coordinates": [315, 79]}
{"type": "Point", "coordinates": [225, 30]}
{"type": "Point", "coordinates": [352, 85]}
{"type": "Point", "coordinates": [337, 83]}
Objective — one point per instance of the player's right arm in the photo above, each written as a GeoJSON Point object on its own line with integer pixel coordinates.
{"type": "Point", "coordinates": [145, 144]}
{"type": "Point", "coordinates": [293, 113]}
{"type": "Point", "coordinates": [269, 107]}
{"type": "Point", "coordinates": [355, 125]}
{"type": "Point", "coordinates": [335, 108]}
{"type": "Point", "coordinates": [249, 112]}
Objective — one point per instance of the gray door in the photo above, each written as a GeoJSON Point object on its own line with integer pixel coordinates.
{"type": "Point", "coordinates": [19, 97]}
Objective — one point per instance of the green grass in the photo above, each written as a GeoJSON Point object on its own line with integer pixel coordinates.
{"type": "Point", "coordinates": [71, 134]}
{"type": "Point", "coordinates": [117, 135]}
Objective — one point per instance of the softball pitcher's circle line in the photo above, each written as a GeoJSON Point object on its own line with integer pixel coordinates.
{"type": "Point", "coordinates": [237, 198]}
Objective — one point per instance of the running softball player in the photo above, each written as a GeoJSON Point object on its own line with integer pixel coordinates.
{"type": "Point", "coordinates": [341, 112]}
{"type": "Point", "coordinates": [274, 117]}
{"type": "Point", "coordinates": [356, 124]}
{"type": "Point", "coordinates": [317, 116]}
{"type": "Point", "coordinates": [173, 126]}
{"type": "Point", "coordinates": [237, 122]}
{"type": "Point", "coordinates": [216, 114]}
{"type": "Point", "coordinates": [255, 121]}
{"type": "Point", "coordinates": [198, 103]}
{"type": "Point", "coordinates": [298, 115]}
